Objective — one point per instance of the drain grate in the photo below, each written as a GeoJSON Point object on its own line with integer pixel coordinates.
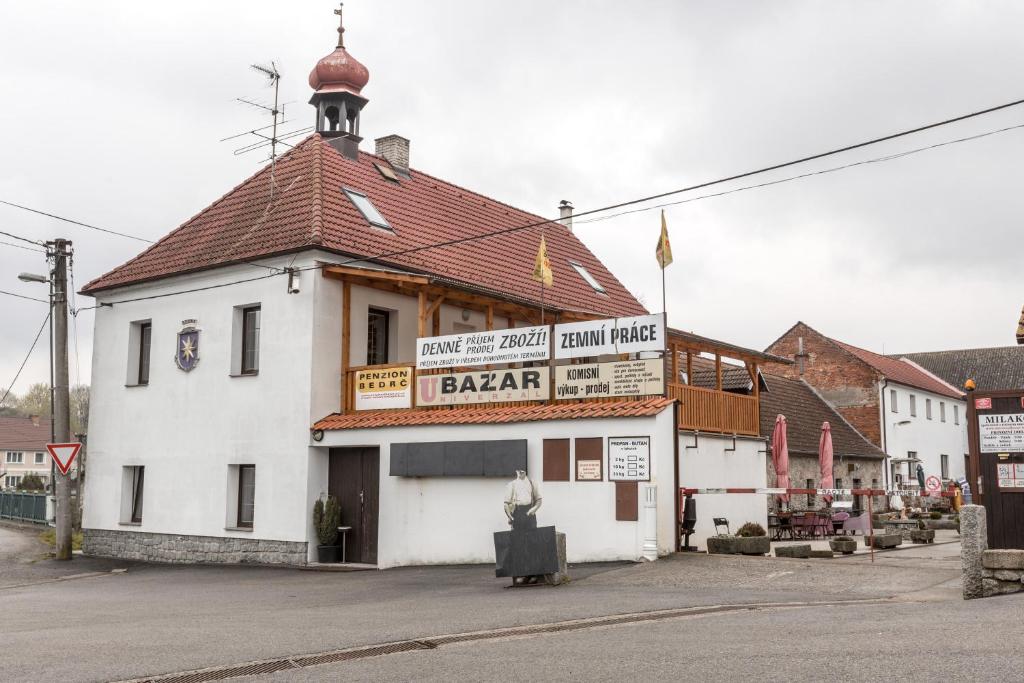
{"type": "Point", "coordinates": [362, 653]}
{"type": "Point", "coordinates": [224, 673]}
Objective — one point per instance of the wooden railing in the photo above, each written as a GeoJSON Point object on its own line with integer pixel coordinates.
{"type": "Point", "coordinates": [708, 410]}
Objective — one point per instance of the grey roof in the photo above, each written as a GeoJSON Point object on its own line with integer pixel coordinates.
{"type": "Point", "coordinates": [992, 369]}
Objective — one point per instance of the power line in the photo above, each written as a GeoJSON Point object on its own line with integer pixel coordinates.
{"type": "Point", "coordinates": [27, 356]}
{"type": "Point", "coordinates": [633, 202]}
{"type": "Point", "coordinates": [23, 239]}
{"type": "Point", "coordinates": [22, 296]}
{"type": "Point", "coordinates": [186, 291]}
{"type": "Point", "coordinates": [18, 246]}
{"type": "Point", "coordinates": [74, 222]}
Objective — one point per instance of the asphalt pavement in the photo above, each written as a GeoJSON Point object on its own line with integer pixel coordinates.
{"type": "Point", "coordinates": [158, 619]}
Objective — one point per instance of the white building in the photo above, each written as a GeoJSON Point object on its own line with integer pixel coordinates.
{"type": "Point", "coordinates": [23, 450]}
{"type": "Point", "coordinates": [231, 361]}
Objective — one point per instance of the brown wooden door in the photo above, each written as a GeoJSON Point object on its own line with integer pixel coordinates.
{"type": "Point", "coordinates": [353, 477]}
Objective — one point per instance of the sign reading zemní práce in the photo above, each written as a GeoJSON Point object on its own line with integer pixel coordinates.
{"type": "Point", "coordinates": [613, 336]}
{"type": "Point", "coordinates": [493, 347]}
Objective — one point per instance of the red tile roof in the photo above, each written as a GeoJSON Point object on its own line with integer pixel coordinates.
{"type": "Point", "coordinates": [494, 414]}
{"type": "Point", "coordinates": [18, 433]}
{"type": "Point", "coordinates": [901, 371]}
{"type": "Point", "coordinates": [311, 211]}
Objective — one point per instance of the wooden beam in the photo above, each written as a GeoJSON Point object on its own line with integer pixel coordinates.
{"type": "Point", "coordinates": [489, 322]}
{"type": "Point", "coordinates": [757, 387]}
{"type": "Point", "coordinates": [437, 321]}
{"type": "Point", "coordinates": [435, 305]}
{"type": "Point", "coordinates": [718, 371]}
{"type": "Point", "coordinates": [342, 272]}
{"type": "Point", "coordinates": [346, 342]}
{"type": "Point", "coordinates": [689, 368]}
{"type": "Point", "coordinates": [422, 327]}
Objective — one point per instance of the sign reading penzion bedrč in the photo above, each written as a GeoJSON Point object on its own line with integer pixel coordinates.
{"type": "Point", "coordinates": [494, 347]}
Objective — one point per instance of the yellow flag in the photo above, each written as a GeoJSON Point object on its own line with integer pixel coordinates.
{"type": "Point", "coordinates": [664, 250]}
{"type": "Point", "coordinates": [542, 266]}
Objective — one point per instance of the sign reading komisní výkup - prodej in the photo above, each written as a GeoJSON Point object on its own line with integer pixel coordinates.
{"type": "Point", "coordinates": [485, 386]}
{"type": "Point", "coordinates": [1001, 433]}
{"type": "Point", "coordinates": [611, 336]}
{"type": "Point", "coordinates": [494, 347]}
{"type": "Point", "coordinates": [618, 378]}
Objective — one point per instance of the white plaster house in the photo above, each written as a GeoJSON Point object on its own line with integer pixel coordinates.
{"type": "Point", "coordinates": [23, 449]}
{"type": "Point", "coordinates": [231, 357]}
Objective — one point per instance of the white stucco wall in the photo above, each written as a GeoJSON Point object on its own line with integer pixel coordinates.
{"type": "Point", "coordinates": [709, 465]}
{"type": "Point", "coordinates": [928, 438]}
{"type": "Point", "coordinates": [187, 428]}
{"type": "Point", "coordinates": [451, 520]}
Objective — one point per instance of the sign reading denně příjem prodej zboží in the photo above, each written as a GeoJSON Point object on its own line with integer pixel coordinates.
{"type": "Point", "coordinates": [493, 347]}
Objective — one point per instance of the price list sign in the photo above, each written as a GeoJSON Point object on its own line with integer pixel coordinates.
{"type": "Point", "coordinates": [629, 458]}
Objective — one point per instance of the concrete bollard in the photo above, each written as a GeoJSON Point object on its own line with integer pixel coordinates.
{"type": "Point", "coordinates": [973, 544]}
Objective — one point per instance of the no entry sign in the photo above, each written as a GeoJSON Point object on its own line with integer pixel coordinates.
{"type": "Point", "coordinates": [63, 455]}
{"type": "Point", "coordinates": [933, 483]}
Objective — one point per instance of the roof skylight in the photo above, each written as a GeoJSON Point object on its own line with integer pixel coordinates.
{"type": "Point", "coordinates": [590, 280]}
{"type": "Point", "coordinates": [366, 207]}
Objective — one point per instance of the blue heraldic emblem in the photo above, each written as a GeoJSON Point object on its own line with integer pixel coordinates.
{"type": "Point", "coordinates": [187, 355]}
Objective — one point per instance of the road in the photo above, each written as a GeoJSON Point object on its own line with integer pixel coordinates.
{"type": "Point", "coordinates": [900, 616]}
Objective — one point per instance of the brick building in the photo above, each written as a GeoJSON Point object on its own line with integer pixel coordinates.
{"type": "Point", "coordinates": [856, 462]}
{"type": "Point", "coordinates": [916, 417]}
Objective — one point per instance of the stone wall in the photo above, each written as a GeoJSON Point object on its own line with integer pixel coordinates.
{"type": "Point", "coordinates": [973, 543]}
{"type": "Point", "coordinates": [1002, 572]}
{"type": "Point", "coordinates": [842, 379]}
{"type": "Point", "coordinates": [802, 468]}
{"type": "Point", "coordinates": [178, 548]}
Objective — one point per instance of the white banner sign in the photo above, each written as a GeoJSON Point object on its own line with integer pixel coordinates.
{"type": "Point", "coordinates": [383, 388]}
{"type": "Point", "coordinates": [610, 336]}
{"type": "Point", "coordinates": [515, 345]}
{"type": "Point", "coordinates": [486, 386]}
{"type": "Point", "coordinates": [629, 458]}
{"type": "Point", "coordinates": [621, 378]}
{"type": "Point", "coordinates": [1001, 433]}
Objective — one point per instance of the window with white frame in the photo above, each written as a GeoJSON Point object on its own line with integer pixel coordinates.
{"type": "Point", "coordinates": [246, 323]}
{"type": "Point", "coordinates": [241, 498]}
{"type": "Point", "coordinates": [15, 457]}
{"type": "Point", "coordinates": [913, 406]}
{"type": "Point", "coordinates": [12, 480]}
{"type": "Point", "coordinates": [40, 458]}
{"type": "Point", "coordinates": [587, 277]}
{"type": "Point", "coordinates": [944, 464]}
{"type": "Point", "coordinates": [140, 335]}
{"type": "Point", "coordinates": [956, 414]}
{"type": "Point", "coordinates": [366, 207]}
{"type": "Point", "coordinates": [892, 401]}
{"type": "Point", "coordinates": [133, 479]}
{"type": "Point", "coordinates": [928, 408]}
{"type": "Point", "coordinates": [942, 411]}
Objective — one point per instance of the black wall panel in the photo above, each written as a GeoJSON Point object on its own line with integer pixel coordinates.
{"type": "Point", "coordinates": [458, 458]}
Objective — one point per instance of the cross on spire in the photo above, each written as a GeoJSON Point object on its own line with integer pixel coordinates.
{"type": "Point", "coordinates": [341, 25]}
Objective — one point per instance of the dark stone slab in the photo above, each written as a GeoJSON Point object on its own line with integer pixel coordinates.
{"type": "Point", "coordinates": [823, 554]}
{"type": "Point", "coordinates": [533, 552]}
{"type": "Point", "coordinates": [799, 551]}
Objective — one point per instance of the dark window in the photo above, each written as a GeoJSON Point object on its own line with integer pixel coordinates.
{"type": "Point", "coordinates": [810, 496]}
{"type": "Point", "coordinates": [956, 415]}
{"type": "Point", "coordinates": [145, 335]}
{"type": "Point", "coordinates": [839, 483]}
{"type": "Point", "coordinates": [250, 340]}
{"type": "Point", "coordinates": [377, 337]}
{"type": "Point", "coordinates": [942, 411]}
{"type": "Point", "coordinates": [913, 406]}
{"type": "Point", "coordinates": [928, 408]}
{"type": "Point", "coordinates": [945, 466]}
{"type": "Point", "coordinates": [138, 478]}
{"type": "Point", "coordinates": [892, 400]}
{"type": "Point", "coordinates": [246, 495]}
{"type": "Point", "coordinates": [858, 500]}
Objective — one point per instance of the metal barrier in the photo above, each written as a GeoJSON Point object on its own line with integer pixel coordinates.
{"type": "Point", "coordinates": [24, 507]}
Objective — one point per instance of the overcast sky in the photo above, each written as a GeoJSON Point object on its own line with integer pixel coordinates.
{"type": "Point", "coordinates": [113, 112]}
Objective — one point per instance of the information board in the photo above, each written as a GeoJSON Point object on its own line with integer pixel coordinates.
{"type": "Point", "coordinates": [382, 388]}
{"type": "Point", "coordinates": [629, 458]}
{"type": "Point", "coordinates": [1001, 433]}
{"type": "Point", "coordinates": [619, 378]}
{"type": "Point", "coordinates": [1010, 475]}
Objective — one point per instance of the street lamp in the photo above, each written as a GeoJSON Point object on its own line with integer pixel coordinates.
{"type": "Point", "coordinates": [32, 277]}
{"type": "Point", "coordinates": [43, 280]}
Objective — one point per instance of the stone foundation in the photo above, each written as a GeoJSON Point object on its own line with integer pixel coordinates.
{"type": "Point", "coordinates": [182, 549]}
{"type": "Point", "coordinates": [1002, 572]}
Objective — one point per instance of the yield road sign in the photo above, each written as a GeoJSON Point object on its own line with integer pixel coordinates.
{"type": "Point", "coordinates": [63, 454]}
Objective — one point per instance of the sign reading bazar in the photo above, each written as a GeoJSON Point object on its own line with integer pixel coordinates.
{"type": "Point", "coordinates": [494, 347]}
{"type": "Point", "coordinates": [379, 388]}
{"type": "Point", "coordinates": [622, 378]}
{"type": "Point", "coordinates": [611, 336]}
{"type": "Point", "coordinates": [484, 386]}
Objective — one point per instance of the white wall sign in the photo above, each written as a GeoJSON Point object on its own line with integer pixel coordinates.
{"type": "Point", "coordinates": [485, 386]}
{"type": "Point", "coordinates": [588, 470]}
{"type": "Point", "coordinates": [610, 336]}
{"type": "Point", "coordinates": [1001, 433]}
{"type": "Point", "coordinates": [621, 378]}
{"type": "Point", "coordinates": [629, 458]}
{"type": "Point", "coordinates": [383, 388]}
{"type": "Point", "coordinates": [1010, 475]}
{"type": "Point", "coordinates": [514, 345]}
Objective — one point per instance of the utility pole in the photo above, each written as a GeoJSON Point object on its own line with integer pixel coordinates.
{"type": "Point", "coordinates": [61, 391]}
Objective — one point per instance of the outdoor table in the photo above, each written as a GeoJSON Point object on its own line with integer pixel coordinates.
{"type": "Point", "coordinates": [343, 530]}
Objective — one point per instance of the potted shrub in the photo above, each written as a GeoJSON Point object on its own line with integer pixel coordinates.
{"type": "Point", "coordinates": [752, 540]}
{"type": "Point", "coordinates": [326, 520]}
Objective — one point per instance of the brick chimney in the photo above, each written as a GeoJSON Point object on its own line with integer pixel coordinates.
{"type": "Point", "coordinates": [395, 149]}
{"type": "Point", "coordinates": [565, 213]}
{"type": "Point", "coordinates": [35, 420]}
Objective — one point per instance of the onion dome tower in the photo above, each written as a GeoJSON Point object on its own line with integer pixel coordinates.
{"type": "Point", "coordinates": [337, 81]}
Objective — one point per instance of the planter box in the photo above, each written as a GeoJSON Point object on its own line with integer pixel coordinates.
{"type": "Point", "coordinates": [753, 545]}
{"type": "Point", "coordinates": [923, 536]}
{"type": "Point", "coordinates": [723, 545]}
{"type": "Point", "coordinates": [846, 546]}
{"type": "Point", "coordinates": [328, 554]}
{"type": "Point", "coordinates": [883, 541]}
{"type": "Point", "coordinates": [799, 551]}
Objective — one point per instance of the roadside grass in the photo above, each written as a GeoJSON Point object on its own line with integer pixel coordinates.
{"type": "Point", "coordinates": [49, 537]}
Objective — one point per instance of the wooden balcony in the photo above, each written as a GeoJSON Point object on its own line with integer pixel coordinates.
{"type": "Point", "coordinates": [709, 410]}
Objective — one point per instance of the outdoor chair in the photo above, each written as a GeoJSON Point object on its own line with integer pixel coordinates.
{"type": "Point", "coordinates": [721, 521]}
{"type": "Point", "coordinates": [839, 520]}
